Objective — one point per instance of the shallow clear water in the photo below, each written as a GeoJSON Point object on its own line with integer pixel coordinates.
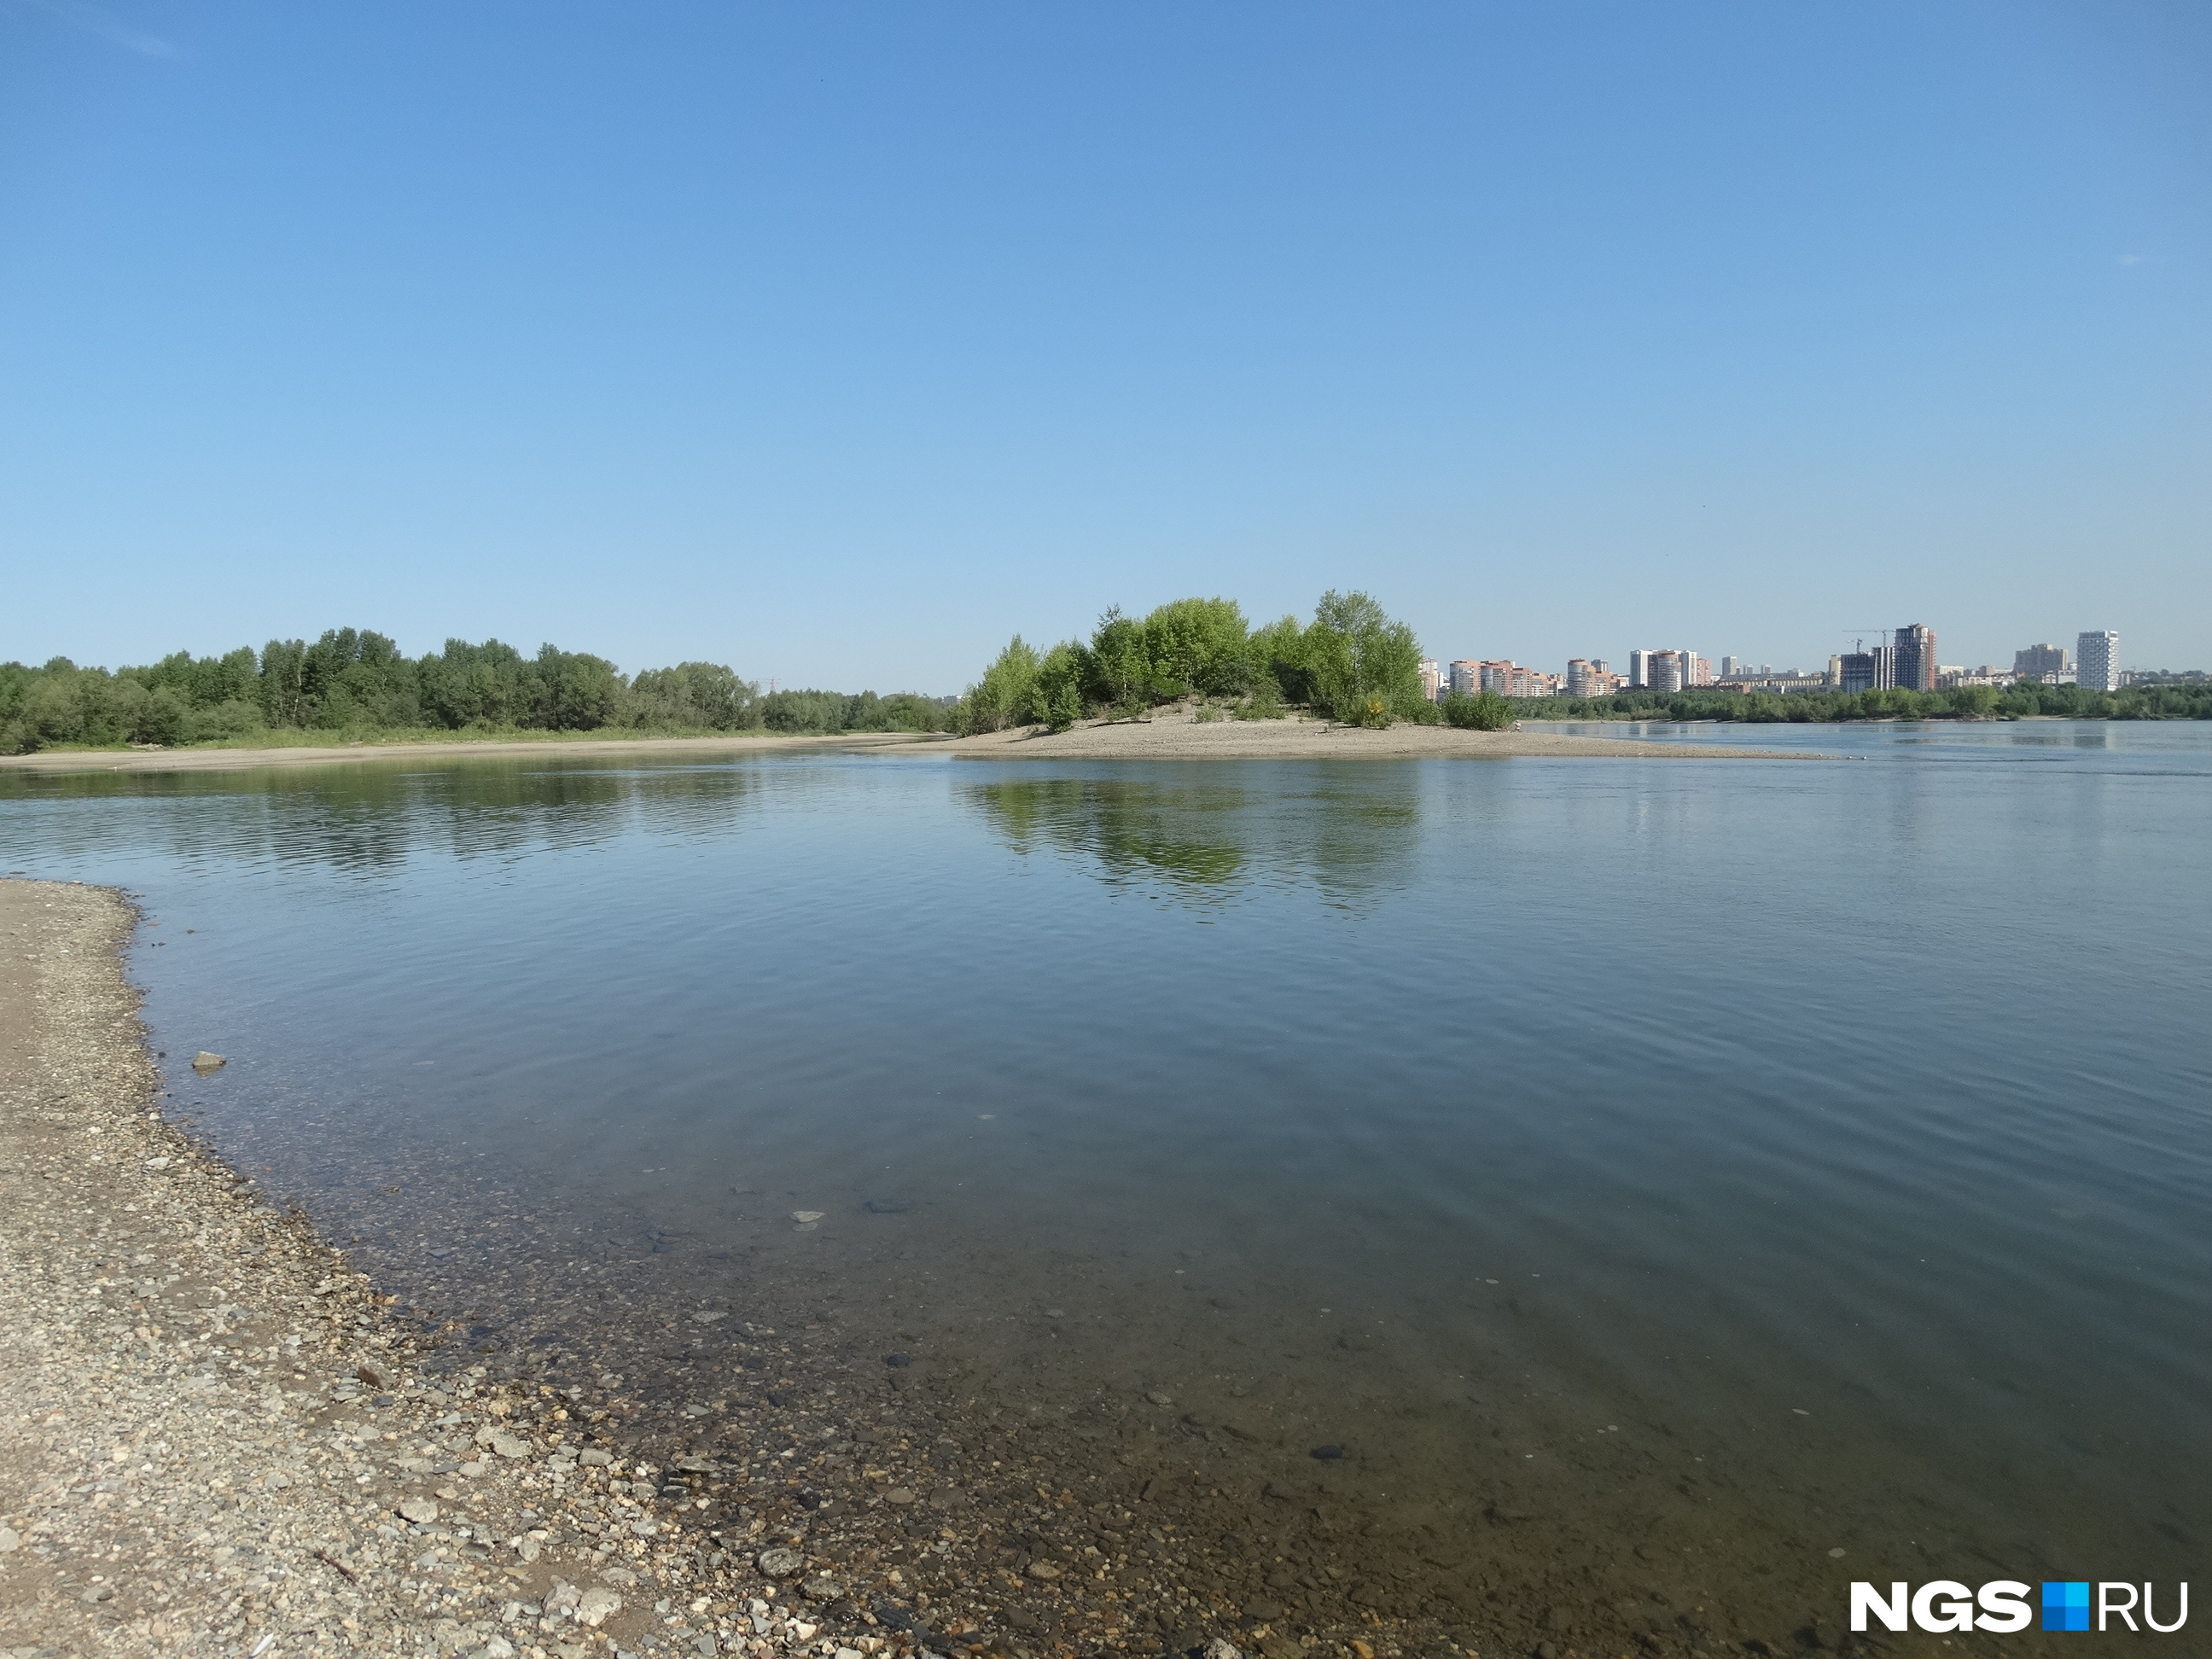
{"type": "Point", "coordinates": [1722, 1162]}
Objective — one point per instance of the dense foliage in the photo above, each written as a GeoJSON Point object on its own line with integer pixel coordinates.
{"type": "Point", "coordinates": [1485, 711]}
{"type": "Point", "coordinates": [1352, 662]}
{"type": "Point", "coordinates": [357, 682]}
{"type": "Point", "coordinates": [835, 711]}
{"type": "Point", "coordinates": [2180, 701]}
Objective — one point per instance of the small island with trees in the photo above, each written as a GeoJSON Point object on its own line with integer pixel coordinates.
{"type": "Point", "coordinates": [1352, 664]}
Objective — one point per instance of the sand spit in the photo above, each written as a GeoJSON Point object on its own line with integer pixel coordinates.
{"type": "Point", "coordinates": [1180, 736]}
{"type": "Point", "coordinates": [1170, 735]}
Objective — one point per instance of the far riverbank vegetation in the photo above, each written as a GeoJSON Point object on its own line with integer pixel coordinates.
{"type": "Point", "coordinates": [1355, 664]}
{"type": "Point", "coordinates": [354, 684]}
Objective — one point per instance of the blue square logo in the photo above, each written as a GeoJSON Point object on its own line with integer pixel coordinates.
{"type": "Point", "coordinates": [2066, 1606]}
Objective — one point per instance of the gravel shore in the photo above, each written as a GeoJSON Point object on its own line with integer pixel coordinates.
{"type": "Point", "coordinates": [214, 1440]}
{"type": "Point", "coordinates": [217, 1436]}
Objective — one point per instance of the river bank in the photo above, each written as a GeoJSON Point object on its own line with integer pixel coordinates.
{"type": "Point", "coordinates": [215, 759]}
{"type": "Point", "coordinates": [216, 1438]}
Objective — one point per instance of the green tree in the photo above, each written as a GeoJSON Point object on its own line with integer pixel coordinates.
{"type": "Point", "coordinates": [1002, 697]}
{"type": "Point", "coordinates": [1056, 696]}
{"type": "Point", "coordinates": [1120, 663]}
{"type": "Point", "coordinates": [796, 711]}
{"type": "Point", "coordinates": [691, 693]}
{"type": "Point", "coordinates": [1198, 646]}
{"type": "Point", "coordinates": [1484, 711]}
{"type": "Point", "coordinates": [575, 691]}
{"type": "Point", "coordinates": [283, 683]}
{"type": "Point", "coordinates": [465, 685]}
{"type": "Point", "coordinates": [1365, 667]}
{"type": "Point", "coordinates": [1281, 664]}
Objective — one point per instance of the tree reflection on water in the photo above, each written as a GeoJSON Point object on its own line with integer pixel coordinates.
{"type": "Point", "coordinates": [1210, 844]}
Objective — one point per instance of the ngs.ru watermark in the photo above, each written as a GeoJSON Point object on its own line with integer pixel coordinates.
{"type": "Point", "coordinates": [2003, 1606]}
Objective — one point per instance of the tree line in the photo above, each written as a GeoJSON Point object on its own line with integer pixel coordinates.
{"type": "Point", "coordinates": [1352, 662]}
{"type": "Point", "coordinates": [358, 681]}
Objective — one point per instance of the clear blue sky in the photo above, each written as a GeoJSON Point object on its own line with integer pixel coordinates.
{"type": "Point", "coordinates": [838, 342]}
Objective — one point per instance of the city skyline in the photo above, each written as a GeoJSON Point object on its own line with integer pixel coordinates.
{"type": "Point", "coordinates": [1909, 661]}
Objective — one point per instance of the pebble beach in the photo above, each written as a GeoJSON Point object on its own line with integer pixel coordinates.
{"type": "Point", "coordinates": [217, 1436]}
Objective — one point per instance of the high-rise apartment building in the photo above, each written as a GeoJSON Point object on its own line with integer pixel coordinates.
{"type": "Point", "coordinates": [1639, 671]}
{"type": "Point", "coordinates": [1730, 668]}
{"type": "Point", "coordinates": [2097, 661]}
{"type": "Point", "coordinates": [1913, 663]}
{"type": "Point", "coordinates": [1582, 678]}
{"type": "Point", "coordinates": [1867, 670]}
{"type": "Point", "coordinates": [1431, 678]}
{"type": "Point", "coordinates": [1662, 671]}
{"type": "Point", "coordinates": [2039, 662]}
{"type": "Point", "coordinates": [1466, 677]}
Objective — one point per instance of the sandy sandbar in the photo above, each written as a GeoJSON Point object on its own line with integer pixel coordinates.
{"type": "Point", "coordinates": [1179, 735]}
{"type": "Point", "coordinates": [1171, 735]}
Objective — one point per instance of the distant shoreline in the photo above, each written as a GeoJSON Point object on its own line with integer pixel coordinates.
{"type": "Point", "coordinates": [226, 758]}
{"type": "Point", "coordinates": [1167, 736]}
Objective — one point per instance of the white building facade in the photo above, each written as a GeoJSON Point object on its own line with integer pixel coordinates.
{"type": "Point", "coordinates": [2097, 661]}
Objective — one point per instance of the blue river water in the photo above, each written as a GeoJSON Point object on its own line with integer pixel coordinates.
{"type": "Point", "coordinates": [1778, 1158]}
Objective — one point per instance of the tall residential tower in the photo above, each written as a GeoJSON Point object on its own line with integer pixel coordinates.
{"type": "Point", "coordinates": [2097, 661]}
{"type": "Point", "coordinates": [1912, 659]}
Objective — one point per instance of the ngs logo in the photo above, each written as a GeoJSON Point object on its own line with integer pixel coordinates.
{"type": "Point", "coordinates": [2001, 1606]}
